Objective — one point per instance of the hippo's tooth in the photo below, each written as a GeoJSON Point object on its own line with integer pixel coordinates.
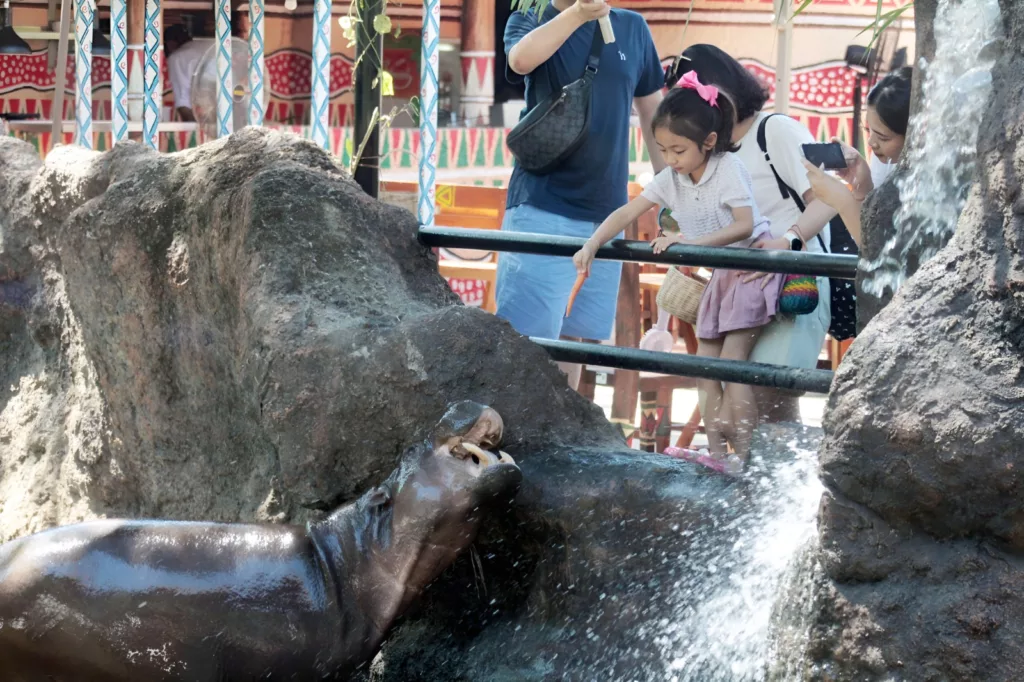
{"type": "Point", "coordinates": [486, 458]}
{"type": "Point", "coordinates": [505, 457]}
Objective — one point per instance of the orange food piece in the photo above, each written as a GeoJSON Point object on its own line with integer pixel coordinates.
{"type": "Point", "coordinates": [580, 279]}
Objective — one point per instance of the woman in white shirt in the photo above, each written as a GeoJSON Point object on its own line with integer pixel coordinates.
{"type": "Point", "coordinates": [888, 113]}
{"type": "Point", "coordinates": [794, 341]}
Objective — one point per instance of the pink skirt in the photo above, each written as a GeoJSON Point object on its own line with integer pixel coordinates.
{"type": "Point", "coordinates": [730, 304]}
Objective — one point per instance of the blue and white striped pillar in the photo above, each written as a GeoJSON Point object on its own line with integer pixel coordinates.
{"type": "Point", "coordinates": [257, 70]}
{"type": "Point", "coordinates": [119, 69]}
{"type": "Point", "coordinates": [152, 97]}
{"type": "Point", "coordinates": [85, 17]}
{"type": "Point", "coordinates": [320, 116]}
{"type": "Point", "coordinates": [225, 83]}
{"type": "Point", "coordinates": [428, 110]}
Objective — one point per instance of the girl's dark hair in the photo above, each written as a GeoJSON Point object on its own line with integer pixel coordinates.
{"type": "Point", "coordinates": [719, 69]}
{"type": "Point", "coordinates": [891, 99]}
{"type": "Point", "coordinates": [686, 113]}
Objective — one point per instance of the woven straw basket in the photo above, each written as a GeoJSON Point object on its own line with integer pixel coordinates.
{"type": "Point", "coordinates": [680, 295]}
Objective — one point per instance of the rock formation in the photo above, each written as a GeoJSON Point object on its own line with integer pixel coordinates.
{"type": "Point", "coordinates": [236, 331]}
{"type": "Point", "coordinates": [922, 527]}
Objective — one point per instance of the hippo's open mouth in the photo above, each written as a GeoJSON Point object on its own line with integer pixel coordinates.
{"type": "Point", "coordinates": [472, 451]}
{"type": "Point", "coordinates": [478, 444]}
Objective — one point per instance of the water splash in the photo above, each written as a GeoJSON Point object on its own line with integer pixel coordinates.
{"type": "Point", "coordinates": [942, 148]}
{"type": "Point", "coordinates": [724, 605]}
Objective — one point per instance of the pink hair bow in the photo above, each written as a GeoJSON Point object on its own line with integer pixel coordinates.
{"type": "Point", "coordinates": [709, 93]}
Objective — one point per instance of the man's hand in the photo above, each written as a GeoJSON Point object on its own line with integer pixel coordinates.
{"type": "Point", "coordinates": [590, 10]}
{"type": "Point", "coordinates": [538, 45]}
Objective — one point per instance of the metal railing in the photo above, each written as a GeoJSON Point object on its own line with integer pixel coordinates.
{"type": "Point", "coordinates": [731, 371]}
{"type": "Point", "coordinates": [728, 257]}
{"type": "Point", "coordinates": [752, 260]}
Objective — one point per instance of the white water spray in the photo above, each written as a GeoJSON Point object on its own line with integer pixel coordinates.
{"type": "Point", "coordinates": [724, 603]}
{"type": "Point", "coordinates": [942, 147]}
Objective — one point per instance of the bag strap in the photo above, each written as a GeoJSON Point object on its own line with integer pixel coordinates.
{"type": "Point", "coordinates": [593, 61]}
{"type": "Point", "coordinates": [787, 191]}
{"type": "Point", "coordinates": [596, 45]}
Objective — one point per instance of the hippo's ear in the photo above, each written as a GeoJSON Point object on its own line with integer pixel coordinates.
{"type": "Point", "coordinates": [379, 497]}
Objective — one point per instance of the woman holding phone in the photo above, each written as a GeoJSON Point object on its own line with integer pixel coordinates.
{"type": "Point", "coordinates": [888, 114]}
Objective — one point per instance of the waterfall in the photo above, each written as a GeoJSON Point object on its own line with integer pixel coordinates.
{"type": "Point", "coordinates": [724, 602]}
{"type": "Point", "coordinates": [942, 148]}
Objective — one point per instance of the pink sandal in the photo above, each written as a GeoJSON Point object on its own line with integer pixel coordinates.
{"type": "Point", "coordinates": [685, 454]}
{"type": "Point", "coordinates": [730, 466]}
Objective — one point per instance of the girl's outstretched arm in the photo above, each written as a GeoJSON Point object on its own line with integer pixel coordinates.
{"type": "Point", "coordinates": [613, 224]}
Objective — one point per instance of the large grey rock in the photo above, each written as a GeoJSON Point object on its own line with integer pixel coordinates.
{"type": "Point", "coordinates": [923, 525]}
{"type": "Point", "coordinates": [235, 331]}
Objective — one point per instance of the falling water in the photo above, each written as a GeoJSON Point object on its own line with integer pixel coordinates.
{"type": "Point", "coordinates": [723, 605]}
{"type": "Point", "coordinates": [734, 578]}
{"type": "Point", "coordinates": [943, 140]}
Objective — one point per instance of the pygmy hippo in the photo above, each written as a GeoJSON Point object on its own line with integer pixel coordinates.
{"type": "Point", "coordinates": [152, 600]}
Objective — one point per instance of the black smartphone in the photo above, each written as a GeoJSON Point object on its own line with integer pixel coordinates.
{"type": "Point", "coordinates": [829, 154]}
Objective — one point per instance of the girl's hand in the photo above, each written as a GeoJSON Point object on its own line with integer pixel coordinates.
{"type": "Point", "coordinates": [827, 188]}
{"type": "Point", "coordinates": [662, 243]}
{"type": "Point", "coordinates": [780, 244]}
{"type": "Point", "coordinates": [857, 172]}
{"type": "Point", "coordinates": [584, 257]}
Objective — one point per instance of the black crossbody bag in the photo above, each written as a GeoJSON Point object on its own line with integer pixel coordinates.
{"type": "Point", "coordinates": [557, 125]}
{"type": "Point", "coordinates": [842, 292]}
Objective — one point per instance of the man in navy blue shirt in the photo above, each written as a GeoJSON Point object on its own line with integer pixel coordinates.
{"type": "Point", "coordinates": [532, 291]}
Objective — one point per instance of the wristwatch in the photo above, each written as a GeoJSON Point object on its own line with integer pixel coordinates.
{"type": "Point", "coordinates": [795, 242]}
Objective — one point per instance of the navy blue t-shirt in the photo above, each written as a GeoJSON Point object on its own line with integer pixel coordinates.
{"type": "Point", "coordinates": [592, 183]}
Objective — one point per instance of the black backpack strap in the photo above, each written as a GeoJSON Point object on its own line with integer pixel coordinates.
{"type": "Point", "coordinates": [787, 191]}
{"type": "Point", "coordinates": [762, 142]}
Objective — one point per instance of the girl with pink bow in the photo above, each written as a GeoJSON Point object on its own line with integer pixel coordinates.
{"type": "Point", "coordinates": [709, 193]}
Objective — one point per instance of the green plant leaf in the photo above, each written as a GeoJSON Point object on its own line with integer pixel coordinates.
{"type": "Point", "coordinates": [387, 84]}
{"type": "Point", "coordinates": [525, 6]}
{"type": "Point", "coordinates": [807, 3]}
{"type": "Point", "coordinates": [883, 22]}
{"type": "Point", "coordinates": [382, 24]}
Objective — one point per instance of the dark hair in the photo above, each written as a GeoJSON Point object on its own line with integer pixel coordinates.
{"type": "Point", "coordinates": [719, 69]}
{"type": "Point", "coordinates": [684, 112]}
{"type": "Point", "coordinates": [176, 33]}
{"type": "Point", "coordinates": [891, 99]}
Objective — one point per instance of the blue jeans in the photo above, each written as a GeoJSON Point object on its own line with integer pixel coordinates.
{"type": "Point", "coordinates": [532, 291]}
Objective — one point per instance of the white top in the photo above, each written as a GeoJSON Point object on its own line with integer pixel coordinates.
{"type": "Point", "coordinates": [706, 207]}
{"type": "Point", "coordinates": [783, 137]}
{"type": "Point", "coordinates": [879, 171]}
{"type": "Point", "coordinates": [182, 64]}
